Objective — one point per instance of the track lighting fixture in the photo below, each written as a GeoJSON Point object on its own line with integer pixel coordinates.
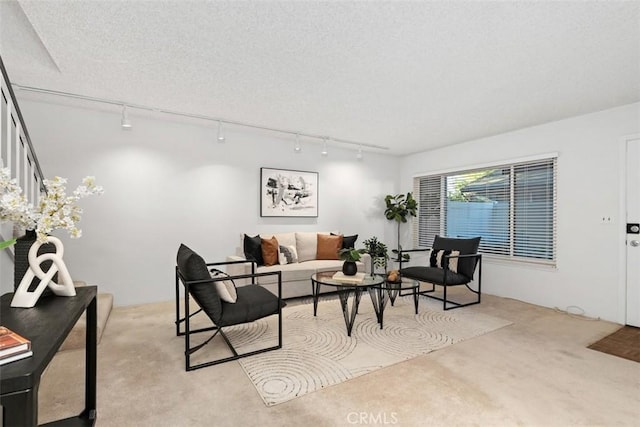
{"type": "Point", "coordinates": [297, 148]}
{"type": "Point", "coordinates": [324, 151]}
{"type": "Point", "coordinates": [125, 122]}
{"type": "Point", "coordinates": [221, 137]}
{"type": "Point", "coordinates": [359, 155]}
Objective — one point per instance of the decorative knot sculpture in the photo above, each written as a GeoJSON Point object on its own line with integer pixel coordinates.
{"type": "Point", "coordinates": [26, 299]}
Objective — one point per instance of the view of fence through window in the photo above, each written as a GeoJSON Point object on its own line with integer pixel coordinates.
{"type": "Point", "coordinates": [512, 207]}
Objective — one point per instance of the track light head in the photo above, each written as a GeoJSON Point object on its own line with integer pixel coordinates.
{"type": "Point", "coordinates": [125, 122]}
{"type": "Point", "coordinates": [221, 137]}
{"type": "Point", "coordinates": [297, 148]}
{"type": "Point", "coordinates": [324, 151]}
{"type": "Point", "coordinates": [359, 155]}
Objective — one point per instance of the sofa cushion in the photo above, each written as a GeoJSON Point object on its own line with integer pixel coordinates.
{"type": "Point", "coordinates": [284, 239]}
{"type": "Point", "coordinates": [270, 251]}
{"type": "Point", "coordinates": [253, 249]}
{"type": "Point", "coordinates": [301, 271]}
{"type": "Point", "coordinates": [307, 246]}
{"type": "Point", "coordinates": [328, 246]}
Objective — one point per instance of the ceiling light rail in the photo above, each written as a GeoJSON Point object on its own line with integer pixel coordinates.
{"type": "Point", "coordinates": [220, 121]}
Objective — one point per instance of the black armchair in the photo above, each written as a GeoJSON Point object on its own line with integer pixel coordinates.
{"type": "Point", "coordinates": [253, 302]}
{"type": "Point", "coordinates": [452, 262]}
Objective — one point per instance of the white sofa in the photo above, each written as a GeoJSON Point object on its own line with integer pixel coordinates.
{"type": "Point", "coordinates": [296, 276]}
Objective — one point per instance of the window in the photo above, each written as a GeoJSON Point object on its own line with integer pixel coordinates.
{"type": "Point", "coordinates": [512, 207]}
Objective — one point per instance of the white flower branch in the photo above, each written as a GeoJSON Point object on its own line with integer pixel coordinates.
{"type": "Point", "coordinates": [56, 210]}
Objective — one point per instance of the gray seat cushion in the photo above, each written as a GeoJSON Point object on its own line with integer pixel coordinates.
{"type": "Point", "coordinates": [254, 302]}
{"type": "Point", "coordinates": [434, 275]}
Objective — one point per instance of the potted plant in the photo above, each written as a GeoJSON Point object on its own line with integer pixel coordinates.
{"type": "Point", "coordinates": [378, 252]}
{"type": "Point", "coordinates": [399, 208]}
{"type": "Point", "coordinates": [350, 256]}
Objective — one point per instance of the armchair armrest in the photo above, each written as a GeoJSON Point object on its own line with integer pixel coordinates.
{"type": "Point", "coordinates": [478, 257]}
{"type": "Point", "coordinates": [464, 256]}
{"type": "Point", "coordinates": [252, 275]}
{"type": "Point", "coordinates": [414, 250]}
{"type": "Point", "coordinates": [234, 260]}
{"type": "Point", "coordinates": [237, 265]}
{"type": "Point", "coordinates": [401, 251]}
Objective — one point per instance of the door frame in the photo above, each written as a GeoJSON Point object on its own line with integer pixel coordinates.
{"type": "Point", "coordinates": [621, 226]}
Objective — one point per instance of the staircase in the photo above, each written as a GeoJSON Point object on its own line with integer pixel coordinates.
{"type": "Point", "coordinates": [17, 154]}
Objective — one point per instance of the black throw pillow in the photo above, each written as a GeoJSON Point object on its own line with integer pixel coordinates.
{"type": "Point", "coordinates": [253, 249]}
{"type": "Point", "coordinates": [348, 242]}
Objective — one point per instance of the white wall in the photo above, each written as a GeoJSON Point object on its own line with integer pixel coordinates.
{"type": "Point", "coordinates": [168, 182]}
{"type": "Point", "coordinates": [588, 273]}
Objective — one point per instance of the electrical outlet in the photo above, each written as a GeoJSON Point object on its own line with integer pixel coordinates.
{"type": "Point", "coordinates": [606, 219]}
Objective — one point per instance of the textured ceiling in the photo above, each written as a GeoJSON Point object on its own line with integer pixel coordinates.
{"type": "Point", "coordinates": [406, 75]}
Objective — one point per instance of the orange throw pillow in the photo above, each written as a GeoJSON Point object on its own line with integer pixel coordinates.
{"type": "Point", "coordinates": [328, 246]}
{"type": "Point", "coordinates": [269, 251]}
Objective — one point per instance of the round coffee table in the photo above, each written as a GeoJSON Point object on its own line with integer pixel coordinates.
{"type": "Point", "coordinates": [347, 287]}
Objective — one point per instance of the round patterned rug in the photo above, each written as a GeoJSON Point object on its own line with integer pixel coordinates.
{"type": "Point", "coordinates": [318, 353]}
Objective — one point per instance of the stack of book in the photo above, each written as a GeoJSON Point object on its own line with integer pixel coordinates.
{"type": "Point", "coordinates": [13, 346]}
{"type": "Point", "coordinates": [343, 278]}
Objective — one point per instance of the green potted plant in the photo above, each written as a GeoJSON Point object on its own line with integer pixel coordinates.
{"type": "Point", "coordinates": [399, 208]}
{"type": "Point", "coordinates": [378, 252]}
{"type": "Point", "coordinates": [350, 256]}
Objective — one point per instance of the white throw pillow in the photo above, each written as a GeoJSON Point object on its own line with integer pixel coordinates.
{"type": "Point", "coordinates": [287, 255]}
{"type": "Point", "coordinates": [307, 246]}
{"type": "Point", "coordinates": [226, 288]}
{"type": "Point", "coordinates": [438, 261]}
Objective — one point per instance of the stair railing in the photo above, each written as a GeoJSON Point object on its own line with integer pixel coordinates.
{"type": "Point", "coordinates": [16, 151]}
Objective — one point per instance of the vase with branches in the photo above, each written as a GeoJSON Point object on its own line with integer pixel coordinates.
{"type": "Point", "coordinates": [55, 209]}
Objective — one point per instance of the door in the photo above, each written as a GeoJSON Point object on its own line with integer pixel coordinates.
{"type": "Point", "coordinates": [633, 232]}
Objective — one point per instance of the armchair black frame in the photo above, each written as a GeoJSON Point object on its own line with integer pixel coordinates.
{"type": "Point", "coordinates": [187, 332]}
{"type": "Point", "coordinates": [445, 277]}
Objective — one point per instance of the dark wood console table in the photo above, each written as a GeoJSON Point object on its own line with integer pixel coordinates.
{"type": "Point", "coordinates": [46, 325]}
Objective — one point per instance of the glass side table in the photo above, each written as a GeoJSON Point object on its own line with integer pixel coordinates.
{"type": "Point", "coordinates": [348, 290]}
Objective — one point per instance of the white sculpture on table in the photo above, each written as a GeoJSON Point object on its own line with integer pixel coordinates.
{"type": "Point", "coordinates": [25, 299]}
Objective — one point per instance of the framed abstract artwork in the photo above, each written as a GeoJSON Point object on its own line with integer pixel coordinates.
{"type": "Point", "coordinates": [288, 193]}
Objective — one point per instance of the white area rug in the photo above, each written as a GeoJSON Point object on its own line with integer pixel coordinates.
{"type": "Point", "coordinates": [318, 353]}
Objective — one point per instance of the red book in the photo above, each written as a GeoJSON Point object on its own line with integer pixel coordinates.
{"type": "Point", "coordinates": [12, 343]}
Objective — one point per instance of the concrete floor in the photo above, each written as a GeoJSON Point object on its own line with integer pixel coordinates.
{"type": "Point", "coordinates": [535, 372]}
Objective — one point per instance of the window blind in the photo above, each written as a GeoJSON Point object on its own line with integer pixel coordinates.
{"type": "Point", "coordinates": [429, 223]}
{"type": "Point", "coordinates": [512, 207]}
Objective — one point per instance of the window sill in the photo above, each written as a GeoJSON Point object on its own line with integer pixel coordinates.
{"type": "Point", "coordinates": [520, 263]}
